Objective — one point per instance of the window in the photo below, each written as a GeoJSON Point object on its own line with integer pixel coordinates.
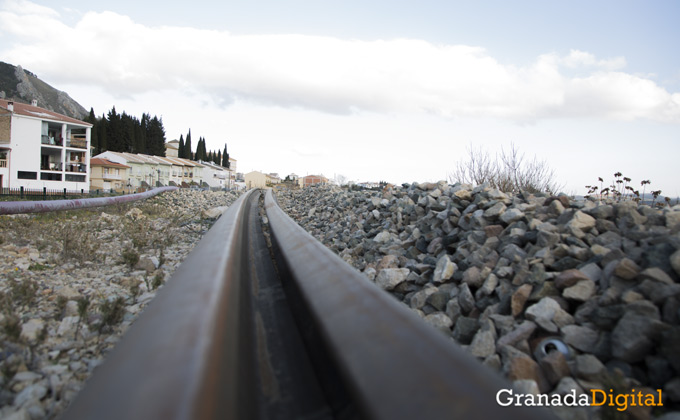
{"type": "Point", "coordinates": [75, 178]}
{"type": "Point", "coordinates": [50, 177]}
{"type": "Point", "coordinates": [27, 175]}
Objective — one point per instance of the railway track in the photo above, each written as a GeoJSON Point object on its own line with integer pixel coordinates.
{"type": "Point", "coordinates": [261, 321]}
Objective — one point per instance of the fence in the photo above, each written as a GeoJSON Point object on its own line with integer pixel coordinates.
{"type": "Point", "coordinates": [46, 194]}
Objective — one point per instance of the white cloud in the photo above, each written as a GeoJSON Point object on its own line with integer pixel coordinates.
{"type": "Point", "coordinates": [578, 58]}
{"type": "Point", "coordinates": [333, 75]}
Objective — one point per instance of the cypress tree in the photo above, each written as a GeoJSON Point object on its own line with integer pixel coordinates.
{"type": "Point", "coordinates": [225, 157]}
{"type": "Point", "coordinates": [188, 152]}
{"type": "Point", "coordinates": [114, 131]}
{"type": "Point", "coordinates": [156, 137]}
{"type": "Point", "coordinates": [218, 158]}
{"type": "Point", "coordinates": [180, 148]}
{"type": "Point", "coordinates": [101, 133]}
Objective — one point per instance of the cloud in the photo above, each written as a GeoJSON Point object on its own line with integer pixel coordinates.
{"type": "Point", "coordinates": [340, 76]}
{"type": "Point", "coordinates": [577, 59]}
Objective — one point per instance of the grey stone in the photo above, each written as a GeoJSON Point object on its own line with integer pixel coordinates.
{"type": "Point", "coordinates": [31, 330]}
{"type": "Point", "coordinates": [629, 340]}
{"type": "Point", "coordinates": [592, 271]}
{"type": "Point", "coordinates": [465, 298]}
{"type": "Point", "coordinates": [519, 298]}
{"type": "Point", "coordinates": [673, 220]}
{"type": "Point", "coordinates": [465, 329]}
{"type": "Point", "coordinates": [440, 321]}
{"type": "Point", "coordinates": [483, 344]}
{"type": "Point", "coordinates": [589, 367]}
{"type": "Point", "coordinates": [30, 393]}
{"type": "Point", "coordinates": [390, 278]}
{"type": "Point", "coordinates": [444, 269]}
{"type": "Point", "coordinates": [521, 332]}
{"type": "Point", "coordinates": [569, 278]}
{"type": "Point", "coordinates": [544, 309]}
{"type": "Point", "coordinates": [511, 215]}
{"type": "Point", "coordinates": [419, 299]}
{"type": "Point", "coordinates": [67, 326]}
{"type": "Point", "coordinates": [581, 291]}
{"type": "Point", "coordinates": [472, 276]}
{"type": "Point", "coordinates": [495, 210]}
{"type": "Point", "coordinates": [145, 264]}
{"type": "Point", "coordinates": [581, 338]}
{"type": "Point", "coordinates": [513, 253]}
{"type": "Point", "coordinates": [580, 223]}
{"type": "Point", "coordinates": [656, 274]}
{"type": "Point", "coordinates": [627, 269]}
{"type": "Point", "coordinates": [453, 309]}
{"type": "Point", "coordinates": [439, 299]}
{"type": "Point", "coordinates": [603, 211]}
{"type": "Point", "coordinates": [383, 237]}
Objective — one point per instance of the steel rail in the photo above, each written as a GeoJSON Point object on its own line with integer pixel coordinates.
{"type": "Point", "coordinates": [18, 207]}
{"type": "Point", "coordinates": [180, 359]}
{"type": "Point", "coordinates": [394, 366]}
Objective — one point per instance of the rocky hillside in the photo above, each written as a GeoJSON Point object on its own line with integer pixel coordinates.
{"type": "Point", "coordinates": [560, 296]}
{"type": "Point", "coordinates": [23, 86]}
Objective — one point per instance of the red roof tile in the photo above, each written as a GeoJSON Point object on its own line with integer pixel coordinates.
{"type": "Point", "coordinates": [106, 162]}
{"type": "Point", "coordinates": [37, 112]}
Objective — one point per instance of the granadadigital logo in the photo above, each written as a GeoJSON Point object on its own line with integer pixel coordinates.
{"type": "Point", "coordinates": [596, 397]}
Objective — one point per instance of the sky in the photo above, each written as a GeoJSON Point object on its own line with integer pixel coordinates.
{"type": "Point", "coordinates": [394, 91]}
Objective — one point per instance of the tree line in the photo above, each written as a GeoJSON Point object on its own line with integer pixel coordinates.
{"type": "Point", "coordinates": [126, 133]}
{"type": "Point", "coordinates": [185, 150]}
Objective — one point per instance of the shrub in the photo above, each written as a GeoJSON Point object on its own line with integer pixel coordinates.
{"type": "Point", "coordinates": [112, 312]}
{"type": "Point", "coordinates": [509, 172]}
{"type": "Point", "coordinates": [158, 280]}
{"type": "Point", "coordinates": [23, 292]}
{"type": "Point", "coordinates": [130, 257]}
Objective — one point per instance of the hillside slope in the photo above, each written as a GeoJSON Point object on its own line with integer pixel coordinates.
{"type": "Point", "coordinates": [23, 86]}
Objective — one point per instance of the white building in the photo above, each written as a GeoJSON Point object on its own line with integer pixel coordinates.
{"type": "Point", "coordinates": [215, 176]}
{"type": "Point", "coordinates": [42, 149]}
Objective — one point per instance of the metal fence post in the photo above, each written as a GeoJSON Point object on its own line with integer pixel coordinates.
{"type": "Point", "coordinates": [64, 192]}
{"type": "Point", "coordinates": [22, 191]}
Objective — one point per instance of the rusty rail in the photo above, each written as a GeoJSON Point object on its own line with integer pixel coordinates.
{"type": "Point", "coordinates": [245, 330]}
{"type": "Point", "coordinates": [17, 207]}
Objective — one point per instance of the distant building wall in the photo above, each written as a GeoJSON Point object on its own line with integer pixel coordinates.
{"type": "Point", "coordinates": [256, 180]}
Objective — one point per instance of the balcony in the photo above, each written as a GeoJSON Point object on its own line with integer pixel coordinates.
{"type": "Point", "coordinates": [50, 141]}
{"type": "Point", "coordinates": [76, 167]}
{"type": "Point", "coordinates": [112, 176]}
{"type": "Point", "coordinates": [3, 163]}
{"type": "Point", "coordinates": [51, 166]}
{"type": "Point", "coordinates": [77, 142]}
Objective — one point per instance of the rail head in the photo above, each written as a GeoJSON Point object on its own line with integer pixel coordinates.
{"type": "Point", "coordinates": [173, 361]}
{"type": "Point", "coordinates": [394, 364]}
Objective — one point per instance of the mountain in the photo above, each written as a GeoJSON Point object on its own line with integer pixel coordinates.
{"type": "Point", "coordinates": [23, 86]}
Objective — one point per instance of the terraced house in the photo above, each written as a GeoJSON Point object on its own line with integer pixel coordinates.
{"type": "Point", "coordinates": [40, 149]}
